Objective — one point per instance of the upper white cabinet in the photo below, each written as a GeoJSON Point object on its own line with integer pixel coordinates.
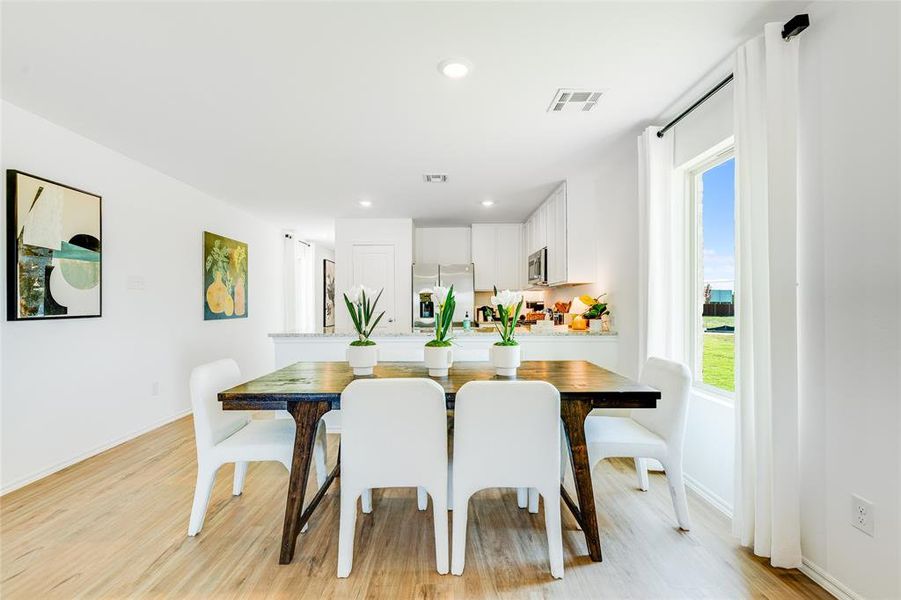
{"type": "Point", "coordinates": [566, 224]}
{"type": "Point", "coordinates": [536, 230]}
{"type": "Point", "coordinates": [442, 245]}
{"type": "Point", "coordinates": [556, 237]}
{"type": "Point", "coordinates": [498, 255]}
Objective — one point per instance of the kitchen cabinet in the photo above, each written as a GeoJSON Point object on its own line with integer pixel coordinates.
{"type": "Point", "coordinates": [497, 253]}
{"type": "Point", "coordinates": [566, 224]}
{"type": "Point", "coordinates": [442, 245]}
{"type": "Point", "coordinates": [537, 230]}
{"type": "Point", "coordinates": [556, 237]}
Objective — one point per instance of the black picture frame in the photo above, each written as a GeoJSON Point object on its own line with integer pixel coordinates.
{"type": "Point", "coordinates": [12, 249]}
{"type": "Point", "coordinates": [325, 272]}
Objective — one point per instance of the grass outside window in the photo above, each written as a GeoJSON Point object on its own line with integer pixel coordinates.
{"type": "Point", "coordinates": [718, 361]}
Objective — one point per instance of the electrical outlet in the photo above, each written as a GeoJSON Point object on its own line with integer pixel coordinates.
{"type": "Point", "coordinates": [155, 388]}
{"type": "Point", "coordinates": [863, 515]}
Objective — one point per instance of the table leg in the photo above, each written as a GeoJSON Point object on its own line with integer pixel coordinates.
{"type": "Point", "coordinates": [573, 413]}
{"type": "Point", "coordinates": [306, 416]}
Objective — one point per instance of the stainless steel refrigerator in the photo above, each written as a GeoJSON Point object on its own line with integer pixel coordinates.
{"type": "Point", "coordinates": [427, 276]}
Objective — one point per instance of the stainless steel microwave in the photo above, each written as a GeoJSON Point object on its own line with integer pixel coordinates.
{"type": "Point", "coordinates": [538, 267]}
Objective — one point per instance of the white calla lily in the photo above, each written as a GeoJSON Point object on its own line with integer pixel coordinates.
{"type": "Point", "coordinates": [361, 302]}
{"type": "Point", "coordinates": [509, 304]}
{"type": "Point", "coordinates": [508, 299]}
{"type": "Point", "coordinates": [355, 294]}
{"type": "Point", "coordinates": [439, 295]}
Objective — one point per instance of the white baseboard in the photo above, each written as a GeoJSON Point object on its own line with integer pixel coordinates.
{"type": "Point", "coordinates": [813, 571]}
{"type": "Point", "coordinates": [708, 496]}
{"type": "Point", "coordinates": [827, 581]}
{"type": "Point", "coordinates": [23, 481]}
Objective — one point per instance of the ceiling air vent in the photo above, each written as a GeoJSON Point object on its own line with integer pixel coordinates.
{"type": "Point", "coordinates": [570, 100]}
{"type": "Point", "coordinates": [435, 178]}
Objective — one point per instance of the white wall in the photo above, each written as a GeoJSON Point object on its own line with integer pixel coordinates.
{"type": "Point", "coordinates": [72, 387]}
{"type": "Point", "coordinates": [614, 185]}
{"type": "Point", "coordinates": [850, 293]}
{"type": "Point", "coordinates": [397, 232]}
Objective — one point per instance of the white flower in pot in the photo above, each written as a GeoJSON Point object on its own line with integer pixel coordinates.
{"type": "Point", "coordinates": [505, 354]}
{"type": "Point", "coordinates": [362, 355]}
{"type": "Point", "coordinates": [439, 355]}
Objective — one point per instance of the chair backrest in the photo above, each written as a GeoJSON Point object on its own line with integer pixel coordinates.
{"type": "Point", "coordinates": [669, 419]}
{"type": "Point", "coordinates": [211, 423]}
{"type": "Point", "coordinates": [507, 434]}
{"type": "Point", "coordinates": [393, 431]}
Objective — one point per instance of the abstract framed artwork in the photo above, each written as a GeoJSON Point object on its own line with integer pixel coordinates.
{"type": "Point", "coordinates": [54, 267]}
{"type": "Point", "coordinates": [328, 294]}
{"type": "Point", "coordinates": [225, 292]}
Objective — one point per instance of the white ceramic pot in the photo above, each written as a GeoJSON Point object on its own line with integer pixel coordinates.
{"type": "Point", "coordinates": [505, 359]}
{"type": "Point", "coordinates": [439, 360]}
{"type": "Point", "coordinates": [362, 358]}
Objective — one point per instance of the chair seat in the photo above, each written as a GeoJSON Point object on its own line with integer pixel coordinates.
{"type": "Point", "coordinates": [621, 436]}
{"type": "Point", "coordinates": [262, 434]}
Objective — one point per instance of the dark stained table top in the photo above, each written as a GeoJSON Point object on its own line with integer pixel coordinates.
{"type": "Point", "coordinates": [324, 381]}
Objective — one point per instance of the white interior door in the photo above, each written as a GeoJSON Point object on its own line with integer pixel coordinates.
{"type": "Point", "coordinates": [373, 266]}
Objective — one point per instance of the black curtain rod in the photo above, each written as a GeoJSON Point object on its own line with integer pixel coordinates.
{"type": "Point", "coordinates": [793, 27]}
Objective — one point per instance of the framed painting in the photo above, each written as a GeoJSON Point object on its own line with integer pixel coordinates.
{"type": "Point", "coordinates": [328, 293]}
{"type": "Point", "coordinates": [225, 292]}
{"type": "Point", "coordinates": [53, 235]}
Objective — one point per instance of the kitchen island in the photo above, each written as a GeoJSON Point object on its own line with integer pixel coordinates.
{"type": "Point", "coordinates": [560, 344]}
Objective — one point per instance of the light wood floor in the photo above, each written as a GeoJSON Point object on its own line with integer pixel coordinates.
{"type": "Point", "coordinates": [114, 526]}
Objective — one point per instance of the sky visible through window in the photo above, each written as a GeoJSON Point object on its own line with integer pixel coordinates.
{"type": "Point", "coordinates": [719, 225]}
{"type": "Point", "coordinates": [718, 237]}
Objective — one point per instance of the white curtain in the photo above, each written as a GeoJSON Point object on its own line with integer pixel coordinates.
{"type": "Point", "coordinates": [306, 302]}
{"type": "Point", "coordinates": [289, 279]}
{"type": "Point", "coordinates": [663, 251]}
{"type": "Point", "coordinates": [767, 512]}
{"type": "Point", "coordinates": [299, 286]}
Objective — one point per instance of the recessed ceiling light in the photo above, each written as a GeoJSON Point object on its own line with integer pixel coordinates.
{"type": "Point", "coordinates": [365, 203]}
{"type": "Point", "coordinates": [487, 203]}
{"type": "Point", "coordinates": [455, 68]}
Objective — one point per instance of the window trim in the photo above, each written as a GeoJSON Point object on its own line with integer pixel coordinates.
{"type": "Point", "coordinates": [692, 172]}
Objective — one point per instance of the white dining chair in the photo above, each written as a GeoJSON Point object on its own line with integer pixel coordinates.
{"type": "Point", "coordinates": [332, 420]}
{"type": "Point", "coordinates": [507, 434]}
{"type": "Point", "coordinates": [656, 433]}
{"type": "Point", "coordinates": [233, 437]}
{"type": "Point", "coordinates": [393, 434]}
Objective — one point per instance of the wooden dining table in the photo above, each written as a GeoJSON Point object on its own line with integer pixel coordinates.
{"type": "Point", "coordinates": [308, 390]}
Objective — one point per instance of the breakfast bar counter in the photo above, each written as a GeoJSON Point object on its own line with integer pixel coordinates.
{"type": "Point", "coordinates": [601, 349]}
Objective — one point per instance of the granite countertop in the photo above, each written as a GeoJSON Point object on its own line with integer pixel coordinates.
{"type": "Point", "coordinates": [458, 333]}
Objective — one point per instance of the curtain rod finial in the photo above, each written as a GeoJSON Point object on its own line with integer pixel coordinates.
{"type": "Point", "coordinates": [794, 26]}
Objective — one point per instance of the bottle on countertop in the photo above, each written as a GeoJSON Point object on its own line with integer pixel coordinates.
{"type": "Point", "coordinates": [466, 322]}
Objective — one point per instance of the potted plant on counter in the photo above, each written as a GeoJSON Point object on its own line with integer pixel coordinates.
{"type": "Point", "coordinates": [596, 310]}
{"type": "Point", "coordinates": [505, 353]}
{"type": "Point", "coordinates": [439, 355]}
{"type": "Point", "coordinates": [362, 355]}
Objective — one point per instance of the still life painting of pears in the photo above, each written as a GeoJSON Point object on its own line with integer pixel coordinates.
{"type": "Point", "coordinates": [224, 277]}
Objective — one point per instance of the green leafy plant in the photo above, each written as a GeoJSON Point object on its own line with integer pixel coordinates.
{"type": "Point", "coordinates": [596, 309]}
{"type": "Point", "coordinates": [509, 306]}
{"type": "Point", "coordinates": [361, 307]}
{"type": "Point", "coordinates": [445, 303]}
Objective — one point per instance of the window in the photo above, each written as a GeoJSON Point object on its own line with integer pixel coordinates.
{"type": "Point", "coordinates": [712, 189]}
